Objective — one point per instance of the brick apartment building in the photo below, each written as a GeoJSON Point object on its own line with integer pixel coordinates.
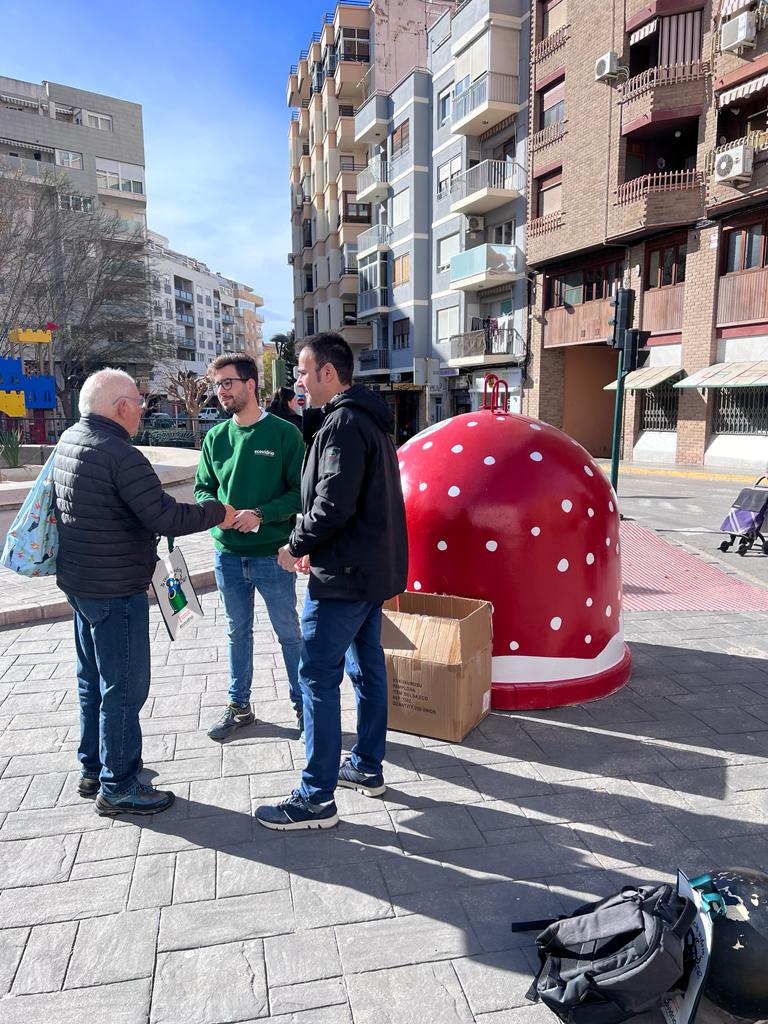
{"type": "Point", "coordinates": [648, 165]}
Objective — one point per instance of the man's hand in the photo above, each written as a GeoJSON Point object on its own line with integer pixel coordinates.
{"type": "Point", "coordinates": [286, 560]}
{"type": "Point", "coordinates": [302, 565]}
{"type": "Point", "coordinates": [246, 520]}
{"type": "Point", "coordinates": [229, 518]}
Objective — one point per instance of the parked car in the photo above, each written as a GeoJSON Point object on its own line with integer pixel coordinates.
{"type": "Point", "coordinates": [160, 421]}
{"type": "Point", "coordinates": [209, 415]}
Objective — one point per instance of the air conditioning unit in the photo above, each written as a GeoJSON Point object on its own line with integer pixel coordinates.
{"type": "Point", "coordinates": [290, 259]}
{"type": "Point", "coordinates": [607, 67]}
{"type": "Point", "coordinates": [475, 224]}
{"type": "Point", "coordinates": [734, 164]}
{"type": "Point", "coordinates": [739, 32]}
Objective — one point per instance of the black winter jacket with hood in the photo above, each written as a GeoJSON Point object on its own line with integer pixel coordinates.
{"type": "Point", "coordinates": [353, 522]}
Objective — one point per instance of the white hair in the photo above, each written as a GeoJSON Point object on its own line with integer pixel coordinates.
{"type": "Point", "coordinates": [102, 389]}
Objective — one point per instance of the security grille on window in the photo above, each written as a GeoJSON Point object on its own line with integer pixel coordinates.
{"type": "Point", "coordinates": [658, 408]}
{"type": "Point", "coordinates": [401, 139]}
{"type": "Point", "coordinates": [401, 269]}
{"type": "Point", "coordinates": [446, 248]}
{"type": "Point", "coordinates": [401, 333]}
{"type": "Point", "coordinates": [740, 411]}
{"type": "Point", "coordinates": [447, 174]}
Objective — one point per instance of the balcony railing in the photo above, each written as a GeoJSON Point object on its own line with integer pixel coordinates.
{"type": "Point", "coordinates": [757, 139]}
{"type": "Point", "coordinates": [493, 87]}
{"type": "Point", "coordinates": [227, 318]}
{"type": "Point", "coordinates": [373, 298]}
{"type": "Point", "coordinates": [183, 295]}
{"type": "Point", "coordinates": [668, 74]}
{"type": "Point", "coordinates": [485, 263]}
{"type": "Point", "coordinates": [500, 175]}
{"type": "Point", "coordinates": [550, 44]}
{"type": "Point", "coordinates": [185, 318]}
{"type": "Point", "coordinates": [379, 234]}
{"type": "Point", "coordinates": [664, 181]}
{"type": "Point", "coordinates": [26, 168]}
{"type": "Point", "coordinates": [185, 342]}
{"type": "Point", "coordinates": [547, 136]}
{"type": "Point", "coordinates": [376, 173]}
{"type": "Point", "coordinates": [476, 344]}
{"type": "Point", "coordinates": [543, 225]}
{"type": "Point", "coordinates": [374, 359]}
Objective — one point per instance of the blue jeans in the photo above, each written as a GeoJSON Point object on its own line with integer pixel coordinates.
{"type": "Point", "coordinates": [237, 578]}
{"type": "Point", "coordinates": [112, 644]}
{"type": "Point", "coordinates": [338, 635]}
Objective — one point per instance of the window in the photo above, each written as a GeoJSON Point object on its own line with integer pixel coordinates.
{"type": "Point", "coordinates": [401, 207]}
{"type": "Point", "coordinates": [101, 121]}
{"type": "Point", "coordinates": [200, 321]}
{"type": "Point", "coordinates": [401, 139]}
{"type": "Point", "coordinates": [588, 284]}
{"type": "Point", "coordinates": [666, 266]}
{"type": "Point", "coordinates": [444, 107]}
{"type": "Point", "coordinates": [119, 177]}
{"type": "Point", "coordinates": [209, 323]}
{"type": "Point", "coordinates": [658, 407]}
{"type": "Point", "coordinates": [447, 323]}
{"type": "Point", "coordinates": [356, 212]}
{"type": "Point", "coordinates": [207, 300]}
{"type": "Point", "coordinates": [401, 269]}
{"type": "Point", "coordinates": [199, 297]}
{"type": "Point", "coordinates": [552, 104]}
{"type": "Point", "coordinates": [349, 314]}
{"type": "Point", "coordinates": [553, 17]}
{"type": "Point", "coordinates": [549, 193]}
{"type": "Point", "coordinates": [504, 234]}
{"type": "Point", "coordinates": [446, 248]}
{"type": "Point", "coordinates": [740, 411]}
{"type": "Point", "coordinates": [447, 174]}
{"type": "Point", "coordinates": [76, 204]}
{"type": "Point", "coordinates": [65, 158]}
{"type": "Point", "coordinates": [401, 333]}
{"type": "Point", "coordinates": [353, 44]}
{"type": "Point", "coordinates": [745, 247]}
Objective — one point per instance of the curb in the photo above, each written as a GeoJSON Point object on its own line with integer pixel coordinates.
{"type": "Point", "coordinates": [52, 611]}
{"type": "Point", "coordinates": [703, 475]}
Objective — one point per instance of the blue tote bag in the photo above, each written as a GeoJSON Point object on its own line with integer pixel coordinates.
{"type": "Point", "coordinates": [33, 539]}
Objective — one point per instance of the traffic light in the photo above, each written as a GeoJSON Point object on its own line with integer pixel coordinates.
{"type": "Point", "coordinates": [634, 341]}
{"type": "Point", "coordinates": [621, 304]}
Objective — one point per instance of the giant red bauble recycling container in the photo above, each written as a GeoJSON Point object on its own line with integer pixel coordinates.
{"type": "Point", "coordinates": [512, 510]}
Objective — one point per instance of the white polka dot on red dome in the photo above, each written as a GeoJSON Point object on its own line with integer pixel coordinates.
{"type": "Point", "coordinates": [472, 423]}
{"type": "Point", "coordinates": [610, 506]}
{"type": "Point", "coordinates": [566, 505]}
{"type": "Point", "coordinates": [590, 558]}
{"type": "Point", "coordinates": [514, 646]}
{"type": "Point", "coordinates": [457, 448]}
{"type": "Point", "coordinates": [535, 531]}
{"type": "Point", "coordinates": [589, 602]}
{"type": "Point", "coordinates": [590, 512]}
{"type": "Point", "coordinates": [555, 623]}
{"type": "Point", "coordinates": [427, 444]}
{"type": "Point", "coordinates": [588, 471]}
{"type": "Point", "coordinates": [562, 565]}
{"type": "Point", "coordinates": [587, 639]}
{"type": "Point", "coordinates": [442, 545]}
{"type": "Point", "coordinates": [535, 426]}
{"type": "Point", "coordinates": [536, 457]}
{"type": "Point", "coordinates": [491, 545]}
{"type": "Point", "coordinates": [489, 460]}
{"type": "Point", "coordinates": [608, 611]}
{"type": "Point", "coordinates": [422, 486]}
{"type": "Point", "coordinates": [454, 492]}
{"type": "Point", "coordinates": [416, 585]}
{"type": "Point", "coordinates": [501, 417]}
{"type": "Point", "coordinates": [607, 542]}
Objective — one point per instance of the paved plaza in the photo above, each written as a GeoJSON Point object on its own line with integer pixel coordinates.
{"type": "Point", "coordinates": [403, 912]}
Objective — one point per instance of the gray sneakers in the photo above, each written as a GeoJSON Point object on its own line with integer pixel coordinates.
{"type": "Point", "coordinates": [233, 717]}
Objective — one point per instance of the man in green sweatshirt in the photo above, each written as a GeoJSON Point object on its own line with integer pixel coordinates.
{"type": "Point", "coordinates": [254, 459]}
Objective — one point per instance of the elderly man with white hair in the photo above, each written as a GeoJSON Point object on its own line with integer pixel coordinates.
{"type": "Point", "coordinates": [111, 508]}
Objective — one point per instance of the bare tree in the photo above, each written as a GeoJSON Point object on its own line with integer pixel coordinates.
{"type": "Point", "coordinates": [65, 260]}
{"type": "Point", "coordinates": [186, 388]}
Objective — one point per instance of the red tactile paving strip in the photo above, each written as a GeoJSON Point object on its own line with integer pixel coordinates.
{"type": "Point", "coordinates": [658, 576]}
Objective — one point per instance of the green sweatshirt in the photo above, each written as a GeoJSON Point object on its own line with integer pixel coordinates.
{"type": "Point", "coordinates": [253, 467]}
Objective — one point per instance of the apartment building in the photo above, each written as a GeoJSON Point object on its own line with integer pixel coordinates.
{"type": "Point", "coordinates": [360, 53]}
{"type": "Point", "coordinates": [199, 313]}
{"type": "Point", "coordinates": [648, 162]}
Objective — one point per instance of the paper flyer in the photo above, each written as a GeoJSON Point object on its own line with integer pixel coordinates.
{"type": "Point", "coordinates": [176, 597]}
{"type": "Point", "coordinates": [682, 1008]}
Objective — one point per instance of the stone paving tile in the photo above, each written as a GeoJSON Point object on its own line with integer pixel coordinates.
{"type": "Point", "coordinates": [33, 862]}
{"type": "Point", "coordinates": [189, 925]}
{"type": "Point", "coordinates": [195, 877]}
{"type": "Point", "coordinates": [251, 868]}
{"type": "Point", "coordinates": [43, 791]}
{"type": "Point", "coordinates": [63, 901]}
{"type": "Point", "coordinates": [215, 984]}
{"type": "Point", "coordinates": [302, 957]}
{"type": "Point", "coordinates": [339, 895]}
{"type": "Point", "coordinates": [496, 981]}
{"type": "Point", "coordinates": [313, 995]}
{"type": "Point", "coordinates": [45, 959]}
{"type": "Point", "coordinates": [387, 997]}
{"type": "Point", "coordinates": [53, 821]}
{"type": "Point", "coordinates": [152, 881]}
{"type": "Point", "coordinates": [13, 942]}
{"type": "Point", "coordinates": [116, 948]}
{"type": "Point", "coordinates": [124, 1003]}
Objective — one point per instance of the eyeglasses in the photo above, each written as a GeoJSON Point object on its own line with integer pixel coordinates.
{"type": "Point", "coordinates": [129, 398]}
{"type": "Point", "coordinates": [226, 383]}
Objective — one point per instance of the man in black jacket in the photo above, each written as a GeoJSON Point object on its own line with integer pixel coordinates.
{"type": "Point", "coordinates": [110, 508]}
{"type": "Point", "coordinates": [352, 540]}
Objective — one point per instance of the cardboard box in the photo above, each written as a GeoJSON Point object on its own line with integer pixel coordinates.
{"type": "Point", "coordinates": [438, 655]}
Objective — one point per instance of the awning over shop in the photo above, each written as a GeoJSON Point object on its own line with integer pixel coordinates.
{"type": "Point", "coordinates": [34, 146]}
{"type": "Point", "coordinates": [646, 378]}
{"type": "Point", "coordinates": [644, 31]}
{"type": "Point", "coordinates": [740, 92]}
{"type": "Point", "coordinates": [728, 375]}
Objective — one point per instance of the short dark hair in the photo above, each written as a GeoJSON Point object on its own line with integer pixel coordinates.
{"type": "Point", "coordinates": [245, 366]}
{"type": "Point", "coordinates": [330, 347]}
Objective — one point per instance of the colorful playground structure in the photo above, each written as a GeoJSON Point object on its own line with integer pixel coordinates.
{"type": "Point", "coordinates": [20, 392]}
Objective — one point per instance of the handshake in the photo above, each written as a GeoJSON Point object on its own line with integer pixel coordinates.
{"type": "Point", "coordinates": [244, 521]}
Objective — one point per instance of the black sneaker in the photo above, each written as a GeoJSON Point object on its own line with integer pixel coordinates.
{"type": "Point", "coordinates": [233, 717]}
{"type": "Point", "coordinates": [351, 778]}
{"type": "Point", "coordinates": [140, 799]}
{"type": "Point", "coordinates": [295, 812]}
{"type": "Point", "coordinates": [88, 786]}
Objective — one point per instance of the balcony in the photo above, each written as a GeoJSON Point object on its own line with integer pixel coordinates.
{"type": "Point", "coordinates": [349, 71]}
{"type": "Point", "coordinates": [227, 337]}
{"type": "Point", "coordinates": [487, 186]}
{"type": "Point", "coordinates": [652, 201]}
{"type": "Point", "coordinates": [663, 309]}
{"type": "Point", "coordinates": [372, 119]}
{"type": "Point", "coordinates": [743, 298]}
{"type": "Point", "coordinates": [356, 335]}
{"type": "Point", "coordinates": [345, 131]}
{"type": "Point", "coordinates": [668, 87]}
{"type": "Point", "coordinates": [547, 136]}
{"type": "Point", "coordinates": [185, 318]}
{"type": "Point", "coordinates": [549, 45]}
{"type": "Point", "coordinates": [26, 168]}
{"type": "Point", "coordinates": [485, 347]}
{"type": "Point", "coordinates": [183, 295]}
{"type": "Point", "coordinates": [719, 193]}
{"type": "Point", "coordinates": [485, 266]}
{"type": "Point", "coordinates": [227, 318]}
{"type": "Point", "coordinates": [372, 302]}
{"type": "Point", "coordinates": [486, 103]}
{"type": "Point", "coordinates": [186, 343]}
{"type": "Point", "coordinates": [373, 360]}
{"type": "Point", "coordinates": [375, 239]}
{"type": "Point", "coordinates": [574, 325]}
{"type": "Point", "coordinates": [373, 182]}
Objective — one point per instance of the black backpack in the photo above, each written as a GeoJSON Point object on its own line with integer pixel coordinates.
{"type": "Point", "coordinates": [614, 958]}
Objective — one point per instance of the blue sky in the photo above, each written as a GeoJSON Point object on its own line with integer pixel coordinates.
{"type": "Point", "coordinates": [211, 78]}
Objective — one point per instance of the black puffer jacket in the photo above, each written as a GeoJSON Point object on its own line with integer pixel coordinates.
{"type": "Point", "coordinates": [353, 522]}
{"type": "Point", "coordinates": [110, 507]}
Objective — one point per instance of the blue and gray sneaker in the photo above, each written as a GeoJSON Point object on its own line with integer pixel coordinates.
{"type": "Point", "coordinates": [352, 778]}
{"type": "Point", "coordinates": [295, 812]}
{"type": "Point", "coordinates": [140, 799]}
{"type": "Point", "coordinates": [233, 717]}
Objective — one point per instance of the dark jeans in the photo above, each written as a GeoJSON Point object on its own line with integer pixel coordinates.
{"type": "Point", "coordinates": [338, 635]}
{"type": "Point", "coordinates": [112, 643]}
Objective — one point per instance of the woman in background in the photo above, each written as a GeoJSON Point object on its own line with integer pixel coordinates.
{"type": "Point", "coordinates": [286, 405]}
